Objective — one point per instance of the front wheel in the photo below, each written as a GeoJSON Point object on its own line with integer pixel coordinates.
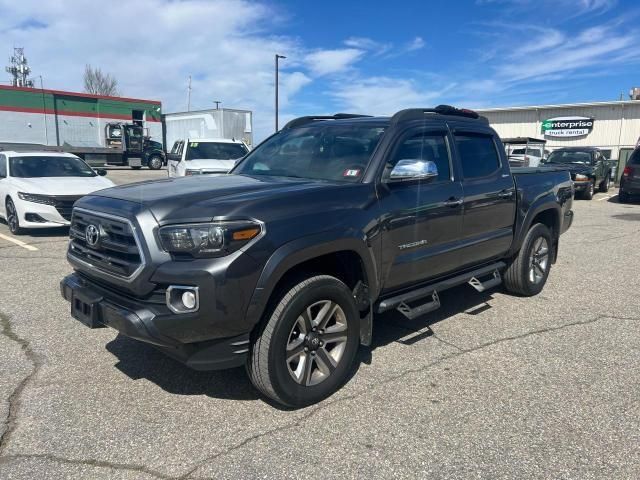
{"type": "Point", "coordinates": [529, 270]}
{"type": "Point", "coordinates": [155, 163]}
{"type": "Point", "coordinates": [590, 191]}
{"type": "Point", "coordinates": [13, 219]}
{"type": "Point", "coordinates": [303, 352]}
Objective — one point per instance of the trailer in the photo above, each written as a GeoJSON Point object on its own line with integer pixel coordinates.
{"type": "Point", "coordinates": [223, 123]}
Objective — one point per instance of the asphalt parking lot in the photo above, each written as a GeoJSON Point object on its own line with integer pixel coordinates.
{"type": "Point", "coordinates": [489, 386]}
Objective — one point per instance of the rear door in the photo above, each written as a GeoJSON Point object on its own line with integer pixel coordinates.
{"type": "Point", "coordinates": [423, 219]}
{"type": "Point", "coordinates": [489, 195]}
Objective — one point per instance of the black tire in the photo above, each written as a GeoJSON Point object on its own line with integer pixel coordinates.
{"type": "Point", "coordinates": [517, 277]}
{"type": "Point", "coordinates": [268, 367]}
{"type": "Point", "coordinates": [155, 163]}
{"type": "Point", "coordinates": [136, 168]}
{"type": "Point", "coordinates": [13, 219]}
{"type": "Point", "coordinates": [590, 191]}
{"type": "Point", "coordinates": [604, 186]}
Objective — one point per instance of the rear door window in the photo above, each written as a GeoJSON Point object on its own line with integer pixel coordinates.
{"type": "Point", "coordinates": [478, 155]}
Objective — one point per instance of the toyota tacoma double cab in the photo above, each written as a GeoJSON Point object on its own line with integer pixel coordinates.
{"type": "Point", "coordinates": [282, 265]}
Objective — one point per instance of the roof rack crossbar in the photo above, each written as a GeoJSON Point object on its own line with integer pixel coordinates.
{"type": "Point", "coordinates": [419, 113]}
{"type": "Point", "coordinates": [297, 122]}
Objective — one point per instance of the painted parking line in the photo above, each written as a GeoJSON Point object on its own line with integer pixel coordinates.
{"type": "Point", "coordinates": [607, 197]}
{"type": "Point", "coordinates": [20, 243]}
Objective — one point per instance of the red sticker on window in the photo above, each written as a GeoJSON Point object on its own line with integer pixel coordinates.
{"type": "Point", "coordinates": [352, 172]}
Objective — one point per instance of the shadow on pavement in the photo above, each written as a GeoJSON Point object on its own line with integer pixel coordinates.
{"type": "Point", "coordinates": [139, 360]}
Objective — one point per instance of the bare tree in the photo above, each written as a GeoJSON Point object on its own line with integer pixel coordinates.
{"type": "Point", "coordinates": [99, 83]}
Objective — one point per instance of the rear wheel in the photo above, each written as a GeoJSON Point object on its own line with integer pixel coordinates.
{"type": "Point", "coordinates": [305, 349]}
{"type": "Point", "coordinates": [604, 186]}
{"type": "Point", "coordinates": [529, 270]}
{"type": "Point", "coordinates": [13, 219]}
{"type": "Point", "coordinates": [155, 163]}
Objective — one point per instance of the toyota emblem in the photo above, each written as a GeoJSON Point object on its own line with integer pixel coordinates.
{"type": "Point", "coordinates": [92, 235]}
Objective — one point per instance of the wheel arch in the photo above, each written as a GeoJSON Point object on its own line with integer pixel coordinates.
{"type": "Point", "coordinates": [346, 258]}
{"type": "Point", "coordinates": [544, 212]}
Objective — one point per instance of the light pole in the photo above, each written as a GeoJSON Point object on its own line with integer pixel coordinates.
{"type": "Point", "coordinates": [277, 57]}
{"type": "Point", "coordinates": [189, 95]}
{"type": "Point", "coordinates": [217, 102]}
{"type": "Point", "coordinates": [44, 112]}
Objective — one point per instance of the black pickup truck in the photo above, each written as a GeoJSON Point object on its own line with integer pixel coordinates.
{"type": "Point", "coordinates": [589, 168]}
{"type": "Point", "coordinates": [281, 265]}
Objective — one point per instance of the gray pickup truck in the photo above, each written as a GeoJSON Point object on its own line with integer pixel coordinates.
{"type": "Point", "coordinates": [282, 265]}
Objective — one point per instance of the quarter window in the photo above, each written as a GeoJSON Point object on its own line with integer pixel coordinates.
{"type": "Point", "coordinates": [428, 147]}
{"type": "Point", "coordinates": [3, 166]}
{"type": "Point", "coordinates": [478, 155]}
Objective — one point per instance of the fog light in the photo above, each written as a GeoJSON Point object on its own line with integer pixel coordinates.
{"type": "Point", "coordinates": [183, 299]}
{"type": "Point", "coordinates": [189, 300]}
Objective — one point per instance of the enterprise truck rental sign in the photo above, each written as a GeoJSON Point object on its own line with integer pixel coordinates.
{"type": "Point", "coordinates": [567, 126]}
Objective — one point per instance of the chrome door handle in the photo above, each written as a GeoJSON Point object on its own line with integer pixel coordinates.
{"type": "Point", "coordinates": [453, 202]}
{"type": "Point", "coordinates": [506, 194]}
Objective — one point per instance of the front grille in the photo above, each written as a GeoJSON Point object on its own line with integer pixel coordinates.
{"type": "Point", "coordinates": [64, 205]}
{"type": "Point", "coordinates": [116, 251]}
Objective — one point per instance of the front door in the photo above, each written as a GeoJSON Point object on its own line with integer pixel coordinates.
{"type": "Point", "coordinates": [424, 219]}
{"type": "Point", "coordinates": [174, 158]}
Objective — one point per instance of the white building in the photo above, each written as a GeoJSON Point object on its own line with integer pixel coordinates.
{"type": "Point", "coordinates": [612, 126]}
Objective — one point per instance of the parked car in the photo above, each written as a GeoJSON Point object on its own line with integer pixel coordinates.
{"type": "Point", "coordinates": [38, 189]}
{"type": "Point", "coordinates": [204, 156]}
{"type": "Point", "coordinates": [630, 179]}
{"type": "Point", "coordinates": [589, 169]}
{"type": "Point", "coordinates": [281, 265]}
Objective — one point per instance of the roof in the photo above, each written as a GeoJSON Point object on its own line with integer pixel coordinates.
{"type": "Point", "coordinates": [35, 153]}
{"type": "Point", "coordinates": [560, 105]}
{"type": "Point", "coordinates": [78, 94]}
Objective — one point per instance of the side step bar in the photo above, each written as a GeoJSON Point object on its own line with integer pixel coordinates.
{"type": "Point", "coordinates": [401, 302]}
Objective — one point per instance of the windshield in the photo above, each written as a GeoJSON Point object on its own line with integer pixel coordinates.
{"type": "Point", "coordinates": [215, 151]}
{"type": "Point", "coordinates": [572, 156]}
{"type": "Point", "coordinates": [322, 152]}
{"type": "Point", "coordinates": [41, 166]}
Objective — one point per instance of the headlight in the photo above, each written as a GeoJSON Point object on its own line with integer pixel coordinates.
{"type": "Point", "coordinates": [32, 197]}
{"type": "Point", "coordinates": [209, 239]}
{"type": "Point", "coordinates": [581, 178]}
{"type": "Point", "coordinates": [188, 173]}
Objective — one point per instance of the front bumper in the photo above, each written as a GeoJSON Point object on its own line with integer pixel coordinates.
{"type": "Point", "coordinates": [581, 186]}
{"type": "Point", "coordinates": [150, 322]}
{"type": "Point", "coordinates": [47, 215]}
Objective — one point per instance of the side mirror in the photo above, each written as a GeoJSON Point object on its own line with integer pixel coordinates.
{"type": "Point", "coordinates": [413, 169]}
{"type": "Point", "coordinates": [101, 171]}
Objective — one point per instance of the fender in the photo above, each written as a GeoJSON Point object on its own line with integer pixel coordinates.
{"type": "Point", "coordinates": [541, 204]}
{"type": "Point", "coordinates": [298, 251]}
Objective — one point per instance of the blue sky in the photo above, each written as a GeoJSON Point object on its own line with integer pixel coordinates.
{"type": "Point", "coordinates": [365, 56]}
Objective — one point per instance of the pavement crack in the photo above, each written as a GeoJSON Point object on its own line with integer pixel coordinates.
{"type": "Point", "coordinates": [92, 463]}
{"type": "Point", "coordinates": [459, 352]}
{"type": "Point", "coordinates": [14, 399]}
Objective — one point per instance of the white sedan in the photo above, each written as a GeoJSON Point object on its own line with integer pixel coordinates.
{"type": "Point", "coordinates": [38, 189]}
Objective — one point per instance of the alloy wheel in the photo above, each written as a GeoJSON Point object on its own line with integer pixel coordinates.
{"type": "Point", "coordinates": [316, 343]}
{"type": "Point", "coordinates": [538, 260]}
{"type": "Point", "coordinates": [12, 217]}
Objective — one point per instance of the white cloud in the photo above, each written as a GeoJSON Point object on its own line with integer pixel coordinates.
{"type": "Point", "coordinates": [415, 44]}
{"type": "Point", "coordinates": [364, 43]}
{"type": "Point", "coordinates": [385, 95]}
{"type": "Point", "coordinates": [323, 62]}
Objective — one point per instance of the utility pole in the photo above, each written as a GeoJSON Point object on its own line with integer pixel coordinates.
{"type": "Point", "coordinates": [277, 57]}
{"type": "Point", "coordinates": [189, 96]}
{"type": "Point", "coordinates": [44, 112]}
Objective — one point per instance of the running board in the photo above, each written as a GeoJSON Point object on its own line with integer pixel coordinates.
{"type": "Point", "coordinates": [401, 302]}
{"type": "Point", "coordinates": [480, 286]}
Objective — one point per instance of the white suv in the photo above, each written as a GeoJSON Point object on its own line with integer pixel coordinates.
{"type": "Point", "coordinates": [204, 156]}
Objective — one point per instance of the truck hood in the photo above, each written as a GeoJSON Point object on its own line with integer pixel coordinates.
{"type": "Point", "coordinates": [572, 168]}
{"type": "Point", "coordinates": [201, 198]}
{"type": "Point", "coordinates": [61, 185]}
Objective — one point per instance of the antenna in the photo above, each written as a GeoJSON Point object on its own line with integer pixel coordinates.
{"type": "Point", "coordinates": [19, 69]}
